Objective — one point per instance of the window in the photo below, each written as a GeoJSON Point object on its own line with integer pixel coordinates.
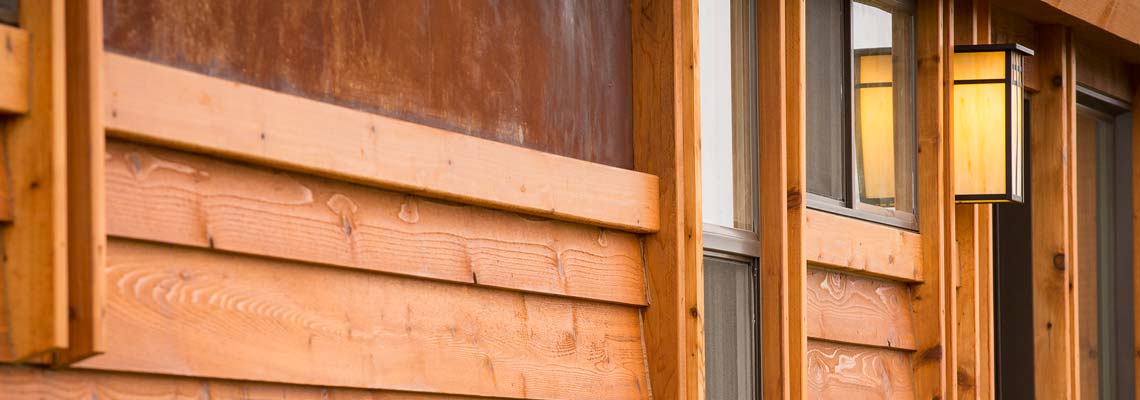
{"type": "Point", "coordinates": [861, 112]}
{"type": "Point", "coordinates": [728, 125]}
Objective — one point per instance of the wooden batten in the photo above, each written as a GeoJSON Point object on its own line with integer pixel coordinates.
{"type": "Point", "coordinates": [848, 244]}
{"type": "Point", "coordinates": [1050, 148]}
{"type": "Point", "coordinates": [857, 310]}
{"type": "Point", "coordinates": [14, 69]}
{"type": "Point", "coordinates": [795, 75]}
{"type": "Point", "coordinates": [190, 312]}
{"type": "Point", "coordinates": [86, 231]}
{"type": "Point", "coordinates": [172, 197]}
{"type": "Point", "coordinates": [693, 253]}
{"type": "Point", "coordinates": [165, 105]}
{"type": "Point", "coordinates": [35, 319]}
{"type": "Point", "coordinates": [843, 371]}
{"type": "Point", "coordinates": [931, 361]}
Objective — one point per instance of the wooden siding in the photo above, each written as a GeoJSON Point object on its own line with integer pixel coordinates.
{"type": "Point", "coordinates": [28, 383]}
{"type": "Point", "coordinates": [839, 242]}
{"type": "Point", "coordinates": [178, 198]}
{"type": "Point", "coordinates": [151, 102]}
{"type": "Point", "coordinates": [551, 76]}
{"type": "Point", "coordinates": [840, 371]}
{"type": "Point", "coordinates": [14, 70]}
{"type": "Point", "coordinates": [191, 312]}
{"type": "Point", "coordinates": [852, 309]}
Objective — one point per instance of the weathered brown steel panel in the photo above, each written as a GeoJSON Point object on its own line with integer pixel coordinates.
{"type": "Point", "coordinates": [552, 76]}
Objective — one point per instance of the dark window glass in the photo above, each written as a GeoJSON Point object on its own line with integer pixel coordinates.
{"type": "Point", "coordinates": [730, 329]}
{"type": "Point", "coordinates": [860, 106]}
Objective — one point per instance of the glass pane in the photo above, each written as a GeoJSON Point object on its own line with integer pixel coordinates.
{"type": "Point", "coordinates": [730, 330]}
{"type": "Point", "coordinates": [1096, 265]}
{"type": "Point", "coordinates": [826, 87]}
{"type": "Point", "coordinates": [882, 43]}
{"type": "Point", "coordinates": [728, 112]}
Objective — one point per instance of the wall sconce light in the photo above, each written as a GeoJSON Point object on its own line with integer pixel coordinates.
{"type": "Point", "coordinates": [989, 137]}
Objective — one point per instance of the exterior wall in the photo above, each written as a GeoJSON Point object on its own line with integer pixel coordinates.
{"type": "Point", "coordinates": [551, 76]}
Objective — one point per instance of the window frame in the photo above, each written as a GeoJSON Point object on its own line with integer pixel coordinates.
{"type": "Point", "coordinates": [851, 206]}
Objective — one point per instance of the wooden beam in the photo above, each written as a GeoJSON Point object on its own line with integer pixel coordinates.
{"type": "Point", "coordinates": [1118, 17]}
{"type": "Point", "coordinates": [24, 382]}
{"type": "Point", "coordinates": [661, 135]}
{"type": "Point", "coordinates": [853, 309]}
{"type": "Point", "coordinates": [1050, 148]}
{"type": "Point", "coordinates": [181, 311]}
{"type": "Point", "coordinates": [160, 104]}
{"type": "Point", "coordinates": [86, 233]}
{"type": "Point", "coordinates": [172, 197]}
{"type": "Point", "coordinates": [849, 244]}
{"type": "Point", "coordinates": [929, 299]}
{"type": "Point", "coordinates": [35, 243]}
{"type": "Point", "coordinates": [968, 339]}
{"type": "Point", "coordinates": [14, 69]}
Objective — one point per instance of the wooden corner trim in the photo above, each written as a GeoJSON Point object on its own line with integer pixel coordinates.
{"type": "Point", "coordinates": [160, 104]}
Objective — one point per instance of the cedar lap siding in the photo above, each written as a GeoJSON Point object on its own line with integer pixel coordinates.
{"type": "Point", "coordinates": [430, 199]}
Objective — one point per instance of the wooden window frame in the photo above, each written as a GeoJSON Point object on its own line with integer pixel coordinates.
{"type": "Point", "coordinates": [850, 205]}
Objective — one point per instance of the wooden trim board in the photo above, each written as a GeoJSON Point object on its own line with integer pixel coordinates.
{"type": "Point", "coordinates": [178, 198]}
{"type": "Point", "coordinates": [192, 312]}
{"type": "Point", "coordinates": [848, 308]}
{"type": "Point", "coordinates": [14, 69]}
{"type": "Point", "coordinates": [35, 242]}
{"type": "Point", "coordinates": [160, 104]}
{"type": "Point", "coordinates": [849, 244]}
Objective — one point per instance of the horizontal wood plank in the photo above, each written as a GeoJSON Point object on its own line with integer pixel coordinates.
{"type": "Point", "coordinates": [182, 311]}
{"type": "Point", "coordinates": [849, 244]}
{"type": "Point", "coordinates": [853, 309]}
{"type": "Point", "coordinates": [174, 197]}
{"type": "Point", "coordinates": [151, 102]}
{"type": "Point", "coordinates": [840, 371]}
{"type": "Point", "coordinates": [21, 383]}
{"type": "Point", "coordinates": [13, 70]}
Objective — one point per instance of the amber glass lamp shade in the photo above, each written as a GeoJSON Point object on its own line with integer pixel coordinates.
{"type": "Point", "coordinates": [989, 137]}
{"type": "Point", "coordinates": [875, 123]}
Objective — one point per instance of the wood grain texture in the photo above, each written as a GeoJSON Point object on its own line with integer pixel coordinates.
{"type": "Point", "coordinates": [969, 335]}
{"type": "Point", "coordinates": [1049, 148]}
{"type": "Point", "coordinates": [929, 301]}
{"type": "Point", "coordinates": [1119, 17]}
{"type": "Point", "coordinates": [847, 308]}
{"type": "Point", "coordinates": [795, 76]}
{"type": "Point", "coordinates": [27, 383]}
{"type": "Point", "coordinates": [156, 103]}
{"type": "Point", "coordinates": [840, 371]}
{"type": "Point", "coordinates": [14, 70]}
{"type": "Point", "coordinates": [853, 245]}
{"type": "Point", "coordinates": [35, 243]}
{"type": "Point", "coordinates": [197, 313]}
{"type": "Point", "coordinates": [659, 137]}
{"type": "Point", "coordinates": [1102, 71]}
{"type": "Point", "coordinates": [172, 197]}
{"type": "Point", "coordinates": [550, 76]}
{"type": "Point", "coordinates": [694, 273]}
{"type": "Point", "coordinates": [86, 221]}
{"type": "Point", "coordinates": [1009, 27]}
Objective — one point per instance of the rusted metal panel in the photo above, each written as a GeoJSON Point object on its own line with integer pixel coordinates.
{"type": "Point", "coordinates": [552, 76]}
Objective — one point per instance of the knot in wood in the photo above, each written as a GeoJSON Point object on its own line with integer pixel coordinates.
{"type": "Point", "coordinates": [1059, 261]}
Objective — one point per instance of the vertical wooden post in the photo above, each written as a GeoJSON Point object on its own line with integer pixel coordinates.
{"type": "Point", "coordinates": [665, 144]}
{"type": "Point", "coordinates": [35, 244]}
{"type": "Point", "coordinates": [691, 154]}
{"type": "Point", "coordinates": [1050, 149]}
{"type": "Point", "coordinates": [87, 235]}
{"type": "Point", "coordinates": [796, 175]}
{"type": "Point", "coordinates": [930, 297]}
